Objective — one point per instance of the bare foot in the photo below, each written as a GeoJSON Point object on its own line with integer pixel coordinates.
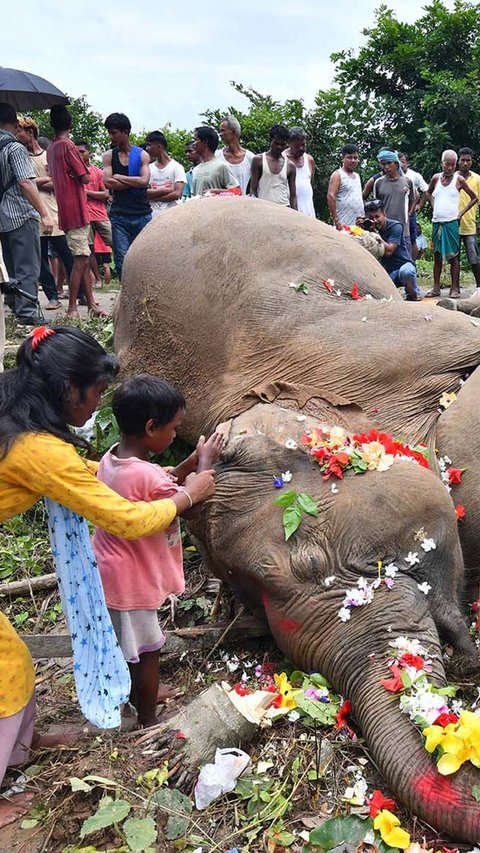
{"type": "Point", "coordinates": [50, 741]}
{"type": "Point", "coordinates": [166, 691]}
{"type": "Point", "coordinates": [73, 315]}
{"type": "Point", "coordinates": [95, 309]}
{"type": "Point", "coordinates": [14, 807]}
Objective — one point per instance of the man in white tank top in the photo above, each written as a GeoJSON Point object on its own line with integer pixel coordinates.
{"type": "Point", "coordinates": [344, 196]}
{"type": "Point", "coordinates": [273, 176]}
{"type": "Point", "coordinates": [305, 170]}
{"type": "Point", "coordinates": [443, 194]}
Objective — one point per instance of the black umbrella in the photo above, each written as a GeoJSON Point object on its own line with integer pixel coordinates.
{"type": "Point", "coordinates": [25, 91]}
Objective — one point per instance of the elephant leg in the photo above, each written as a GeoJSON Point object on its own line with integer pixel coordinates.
{"type": "Point", "coordinates": [467, 306]}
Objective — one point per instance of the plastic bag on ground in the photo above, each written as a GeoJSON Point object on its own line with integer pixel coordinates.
{"type": "Point", "coordinates": [221, 777]}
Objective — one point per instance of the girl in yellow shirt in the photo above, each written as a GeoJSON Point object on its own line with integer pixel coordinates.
{"type": "Point", "coordinates": [60, 376]}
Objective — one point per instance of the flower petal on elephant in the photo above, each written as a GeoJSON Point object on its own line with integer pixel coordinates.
{"type": "Point", "coordinates": [287, 476]}
{"type": "Point", "coordinates": [278, 483]}
{"type": "Point", "coordinates": [290, 444]}
{"type": "Point", "coordinates": [454, 476]}
{"type": "Point", "coordinates": [328, 283]}
{"type": "Point", "coordinates": [447, 399]}
{"type": "Point", "coordinates": [328, 581]}
{"type": "Point", "coordinates": [395, 684]}
{"type": "Point", "coordinates": [412, 558]}
{"type": "Point", "coordinates": [344, 614]}
{"type": "Point", "coordinates": [428, 545]}
{"type": "Point", "coordinates": [449, 764]}
{"type": "Point", "coordinates": [424, 587]}
{"type": "Point", "coordinates": [460, 512]}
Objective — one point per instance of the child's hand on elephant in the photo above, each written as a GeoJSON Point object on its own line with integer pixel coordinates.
{"type": "Point", "coordinates": [200, 486]}
{"type": "Point", "coordinates": [208, 451]}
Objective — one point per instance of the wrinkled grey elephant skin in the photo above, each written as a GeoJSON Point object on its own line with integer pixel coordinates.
{"type": "Point", "coordinates": [207, 303]}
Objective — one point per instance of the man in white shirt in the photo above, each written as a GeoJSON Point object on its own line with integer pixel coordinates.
{"type": "Point", "coordinates": [167, 176]}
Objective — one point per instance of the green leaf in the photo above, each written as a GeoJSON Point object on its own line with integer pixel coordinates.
{"type": "Point", "coordinates": [109, 812]}
{"type": "Point", "coordinates": [476, 793]}
{"type": "Point", "coordinates": [338, 830]}
{"type": "Point", "coordinates": [28, 823]}
{"type": "Point", "coordinates": [101, 780]}
{"type": "Point", "coordinates": [319, 680]}
{"type": "Point", "coordinates": [244, 789]}
{"type": "Point", "coordinates": [140, 833]}
{"type": "Point", "coordinates": [282, 838]}
{"type": "Point", "coordinates": [79, 784]}
{"type": "Point", "coordinates": [405, 678]}
{"type": "Point", "coordinates": [292, 519]}
{"type": "Point", "coordinates": [322, 712]}
{"type": "Point", "coordinates": [286, 499]}
{"type": "Point", "coordinates": [307, 504]}
{"type": "Point", "coordinates": [179, 808]}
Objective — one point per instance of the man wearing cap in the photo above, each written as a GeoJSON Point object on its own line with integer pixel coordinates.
{"type": "Point", "coordinates": [396, 259]}
{"type": "Point", "coordinates": [396, 192]}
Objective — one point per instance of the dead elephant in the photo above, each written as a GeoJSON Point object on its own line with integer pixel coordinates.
{"type": "Point", "coordinates": [271, 323]}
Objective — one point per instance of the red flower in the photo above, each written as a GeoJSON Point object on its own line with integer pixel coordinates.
{"type": "Point", "coordinates": [341, 718]}
{"type": "Point", "coordinates": [333, 470]}
{"type": "Point", "coordinates": [454, 476]}
{"type": "Point", "coordinates": [460, 512]}
{"type": "Point", "coordinates": [328, 284]}
{"type": "Point", "coordinates": [320, 454]}
{"type": "Point", "coordinates": [445, 719]}
{"type": "Point", "coordinates": [240, 689]}
{"type": "Point", "coordinates": [354, 292]}
{"type": "Point", "coordinates": [379, 802]}
{"type": "Point", "coordinates": [411, 660]}
{"type": "Point", "coordinates": [475, 607]}
{"type": "Point", "coordinates": [395, 684]}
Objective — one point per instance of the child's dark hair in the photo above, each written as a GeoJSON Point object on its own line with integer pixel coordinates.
{"type": "Point", "coordinates": [34, 396]}
{"type": "Point", "coordinates": [143, 398]}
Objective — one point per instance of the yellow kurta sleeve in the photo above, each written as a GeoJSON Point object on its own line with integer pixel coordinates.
{"type": "Point", "coordinates": [39, 464]}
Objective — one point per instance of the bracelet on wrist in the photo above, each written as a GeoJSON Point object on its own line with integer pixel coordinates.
{"type": "Point", "coordinates": [187, 494]}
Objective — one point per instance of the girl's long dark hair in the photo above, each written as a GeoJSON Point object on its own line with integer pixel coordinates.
{"type": "Point", "coordinates": [35, 395]}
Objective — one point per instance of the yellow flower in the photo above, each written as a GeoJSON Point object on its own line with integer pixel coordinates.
{"type": "Point", "coordinates": [337, 437]}
{"type": "Point", "coordinates": [460, 744]}
{"type": "Point", "coordinates": [285, 690]}
{"type": "Point", "coordinates": [446, 399]}
{"type": "Point", "coordinates": [390, 830]}
{"type": "Point", "coordinates": [435, 735]}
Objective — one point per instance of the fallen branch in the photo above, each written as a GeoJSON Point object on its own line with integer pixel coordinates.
{"type": "Point", "coordinates": [22, 587]}
{"type": "Point", "coordinates": [179, 642]}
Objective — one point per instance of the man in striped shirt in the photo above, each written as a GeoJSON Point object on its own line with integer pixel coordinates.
{"type": "Point", "coordinates": [21, 209]}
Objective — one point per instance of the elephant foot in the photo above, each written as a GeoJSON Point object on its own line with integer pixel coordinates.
{"type": "Point", "coordinates": [447, 303]}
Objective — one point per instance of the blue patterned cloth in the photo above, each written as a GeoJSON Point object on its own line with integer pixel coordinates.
{"type": "Point", "coordinates": [102, 678]}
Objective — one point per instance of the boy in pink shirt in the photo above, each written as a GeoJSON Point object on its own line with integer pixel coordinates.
{"type": "Point", "coordinates": [139, 576]}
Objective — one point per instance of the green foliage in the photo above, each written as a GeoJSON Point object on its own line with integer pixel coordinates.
{"type": "Point", "coordinates": [25, 546]}
{"type": "Point", "coordinates": [87, 124]}
{"type": "Point", "coordinates": [179, 809]}
{"type": "Point", "coordinates": [140, 833]}
{"type": "Point", "coordinates": [344, 829]}
{"type": "Point", "coordinates": [422, 79]}
{"type": "Point", "coordinates": [295, 505]}
{"type": "Point", "coordinates": [109, 812]}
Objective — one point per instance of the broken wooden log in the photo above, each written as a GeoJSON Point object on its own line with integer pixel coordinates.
{"type": "Point", "coordinates": [180, 641]}
{"type": "Point", "coordinates": [14, 588]}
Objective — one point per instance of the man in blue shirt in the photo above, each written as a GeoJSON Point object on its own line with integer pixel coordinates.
{"type": "Point", "coordinates": [397, 260]}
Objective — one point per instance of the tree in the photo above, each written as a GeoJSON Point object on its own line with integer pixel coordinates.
{"type": "Point", "coordinates": [422, 80]}
{"type": "Point", "coordinates": [86, 124]}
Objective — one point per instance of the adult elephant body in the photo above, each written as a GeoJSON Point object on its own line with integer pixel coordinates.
{"type": "Point", "coordinates": [207, 302]}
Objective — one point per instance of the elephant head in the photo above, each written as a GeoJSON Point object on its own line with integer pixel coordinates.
{"type": "Point", "coordinates": [263, 317]}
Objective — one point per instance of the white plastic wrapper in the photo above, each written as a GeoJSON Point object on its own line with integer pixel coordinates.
{"type": "Point", "coordinates": [221, 777]}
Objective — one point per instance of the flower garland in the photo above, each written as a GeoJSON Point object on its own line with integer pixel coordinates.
{"type": "Point", "coordinates": [450, 731]}
{"type": "Point", "coordinates": [336, 452]}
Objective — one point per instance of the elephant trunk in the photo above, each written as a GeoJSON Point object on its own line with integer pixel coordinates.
{"type": "Point", "coordinates": [353, 656]}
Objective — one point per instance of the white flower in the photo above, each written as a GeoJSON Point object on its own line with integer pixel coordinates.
{"type": "Point", "coordinates": [447, 459]}
{"type": "Point", "coordinates": [368, 296]}
{"type": "Point", "coordinates": [292, 284]}
{"type": "Point", "coordinates": [334, 489]}
{"type": "Point", "coordinates": [344, 614]}
{"type": "Point", "coordinates": [424, 587]}
{"type": "Point", "coordinates": [428, 545]}
{"type": "Point", "coordinates": [286, 477]}
{"type": "Point", "coordinates": [338, 292]}
{"type": "Point", "coordinates": [403, 644]}
{"type": "Point", "coordinates": [364, 319]}
{"type": "Point", "coordinates": [290, 444]}
{"type": "Point", "coordinates": [412, 558]}
{"type": "Point", "coordinates": [328, 581]}
{"type": "Point", "coordinates": [293, 716]}
{"type": "Point", "coordinates": [301, 418]}
{"type": "Point", "coordinates": [390, 570]}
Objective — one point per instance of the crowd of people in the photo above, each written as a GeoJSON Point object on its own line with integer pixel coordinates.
{"type": "Point", "coordinates": [61, 215]}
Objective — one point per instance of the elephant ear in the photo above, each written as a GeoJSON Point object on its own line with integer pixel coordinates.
{"type": "Point", "coordinates": [314, 402]}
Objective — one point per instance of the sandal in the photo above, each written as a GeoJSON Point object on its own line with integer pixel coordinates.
{"type": "Point", "coordinates": [454, 294]}
{"type": "Point", "coordinates": [434, 293]}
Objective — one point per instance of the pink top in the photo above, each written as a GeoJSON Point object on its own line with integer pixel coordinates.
{"type": "Point", "coordinates": [97, 209]}
{"type": "Point", "coordinates": [138, 574]}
